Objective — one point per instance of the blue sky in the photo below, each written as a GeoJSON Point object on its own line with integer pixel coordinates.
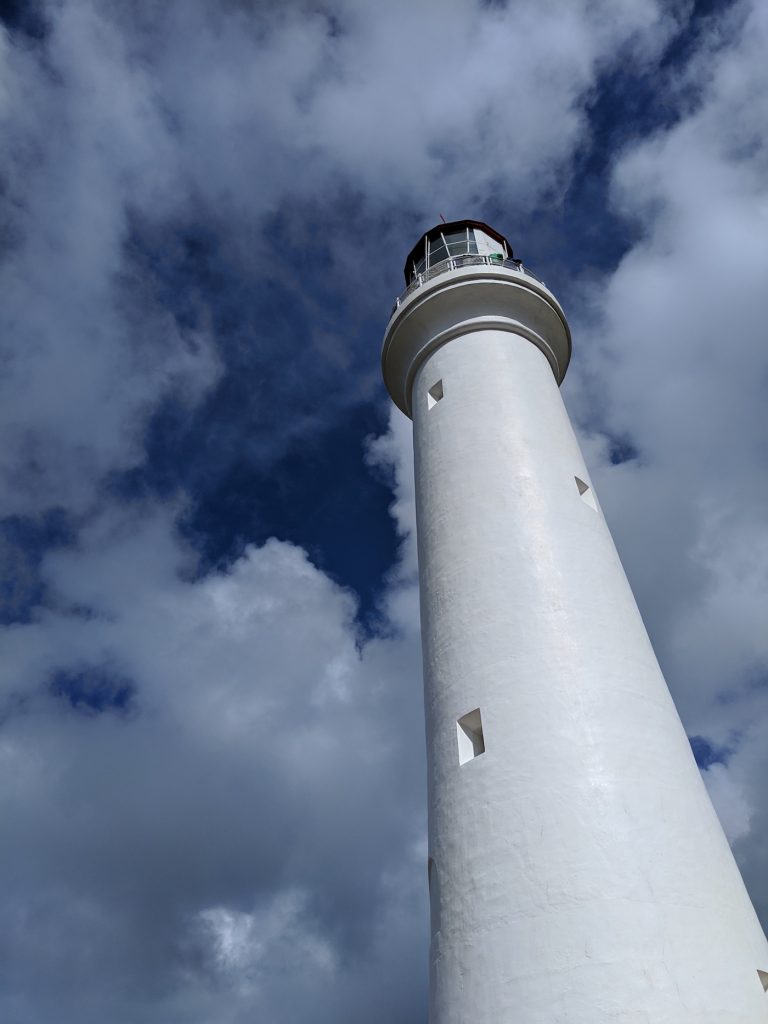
{"type": "Point", "coordinates": [211, 729]}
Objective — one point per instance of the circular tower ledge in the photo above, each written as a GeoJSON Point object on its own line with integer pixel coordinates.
{"type": "Point", "coordinates": [463, 301]}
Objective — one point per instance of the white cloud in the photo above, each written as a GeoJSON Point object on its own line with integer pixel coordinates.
{"type": "Point", "coordinates": [87, 348]}
{"type": "Point", "coordinates": [404, 105]}
{"type": "Point", "coordinates": [152, 114]}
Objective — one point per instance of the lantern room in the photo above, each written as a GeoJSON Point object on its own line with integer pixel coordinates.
{"type": "Point", "coordinates": [457, 238]}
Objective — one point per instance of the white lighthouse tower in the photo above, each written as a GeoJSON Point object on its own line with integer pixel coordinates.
{"type": "Point", "coordinates": [578, 873]}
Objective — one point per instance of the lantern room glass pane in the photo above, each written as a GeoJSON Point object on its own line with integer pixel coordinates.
{"type": "Point", "coordinates": [458, 242]}
{"type": "Point", "coordinates": [437, 251]}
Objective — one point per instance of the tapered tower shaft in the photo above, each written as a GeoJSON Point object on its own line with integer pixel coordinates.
{"type": "Point", "coordinates": [577, 869]}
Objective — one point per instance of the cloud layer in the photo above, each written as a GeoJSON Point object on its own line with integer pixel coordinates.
{"type": "Point", "coordinates": [197, 813]}
{"type": "Point", "coordinates": [214, 778]}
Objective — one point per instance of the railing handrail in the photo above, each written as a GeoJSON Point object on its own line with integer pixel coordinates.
{"type": "Point", "coordinates": [453, 263]}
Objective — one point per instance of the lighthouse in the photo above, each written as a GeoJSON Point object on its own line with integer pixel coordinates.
{"type": "Point", "coordinates": [577, 871]}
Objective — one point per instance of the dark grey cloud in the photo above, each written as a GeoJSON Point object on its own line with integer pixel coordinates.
{"type": "Point", "coordinates": [243, 796]}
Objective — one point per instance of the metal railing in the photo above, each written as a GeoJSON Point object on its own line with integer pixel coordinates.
{"type": "Point", "coordinates": [461, 261]}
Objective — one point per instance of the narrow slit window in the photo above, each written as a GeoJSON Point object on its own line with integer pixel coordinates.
{"type": "Point", "coordinates": [434, 394]}
{"type": "Point", "coordinates": [469, 731]}
{"type": "Point", "coordinates": [586, 493]}
{"type": "Point", "coordinates": [763, 976]}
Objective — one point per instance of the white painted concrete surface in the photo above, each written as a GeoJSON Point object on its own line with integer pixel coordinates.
{"type": "Point", "coordinates": [486, 245]}
{"type": "Point", "coordinates": [578, 871]}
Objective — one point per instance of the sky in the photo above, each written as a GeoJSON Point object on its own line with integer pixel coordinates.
{"type": "Point", "coordinates": [212, 776]}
